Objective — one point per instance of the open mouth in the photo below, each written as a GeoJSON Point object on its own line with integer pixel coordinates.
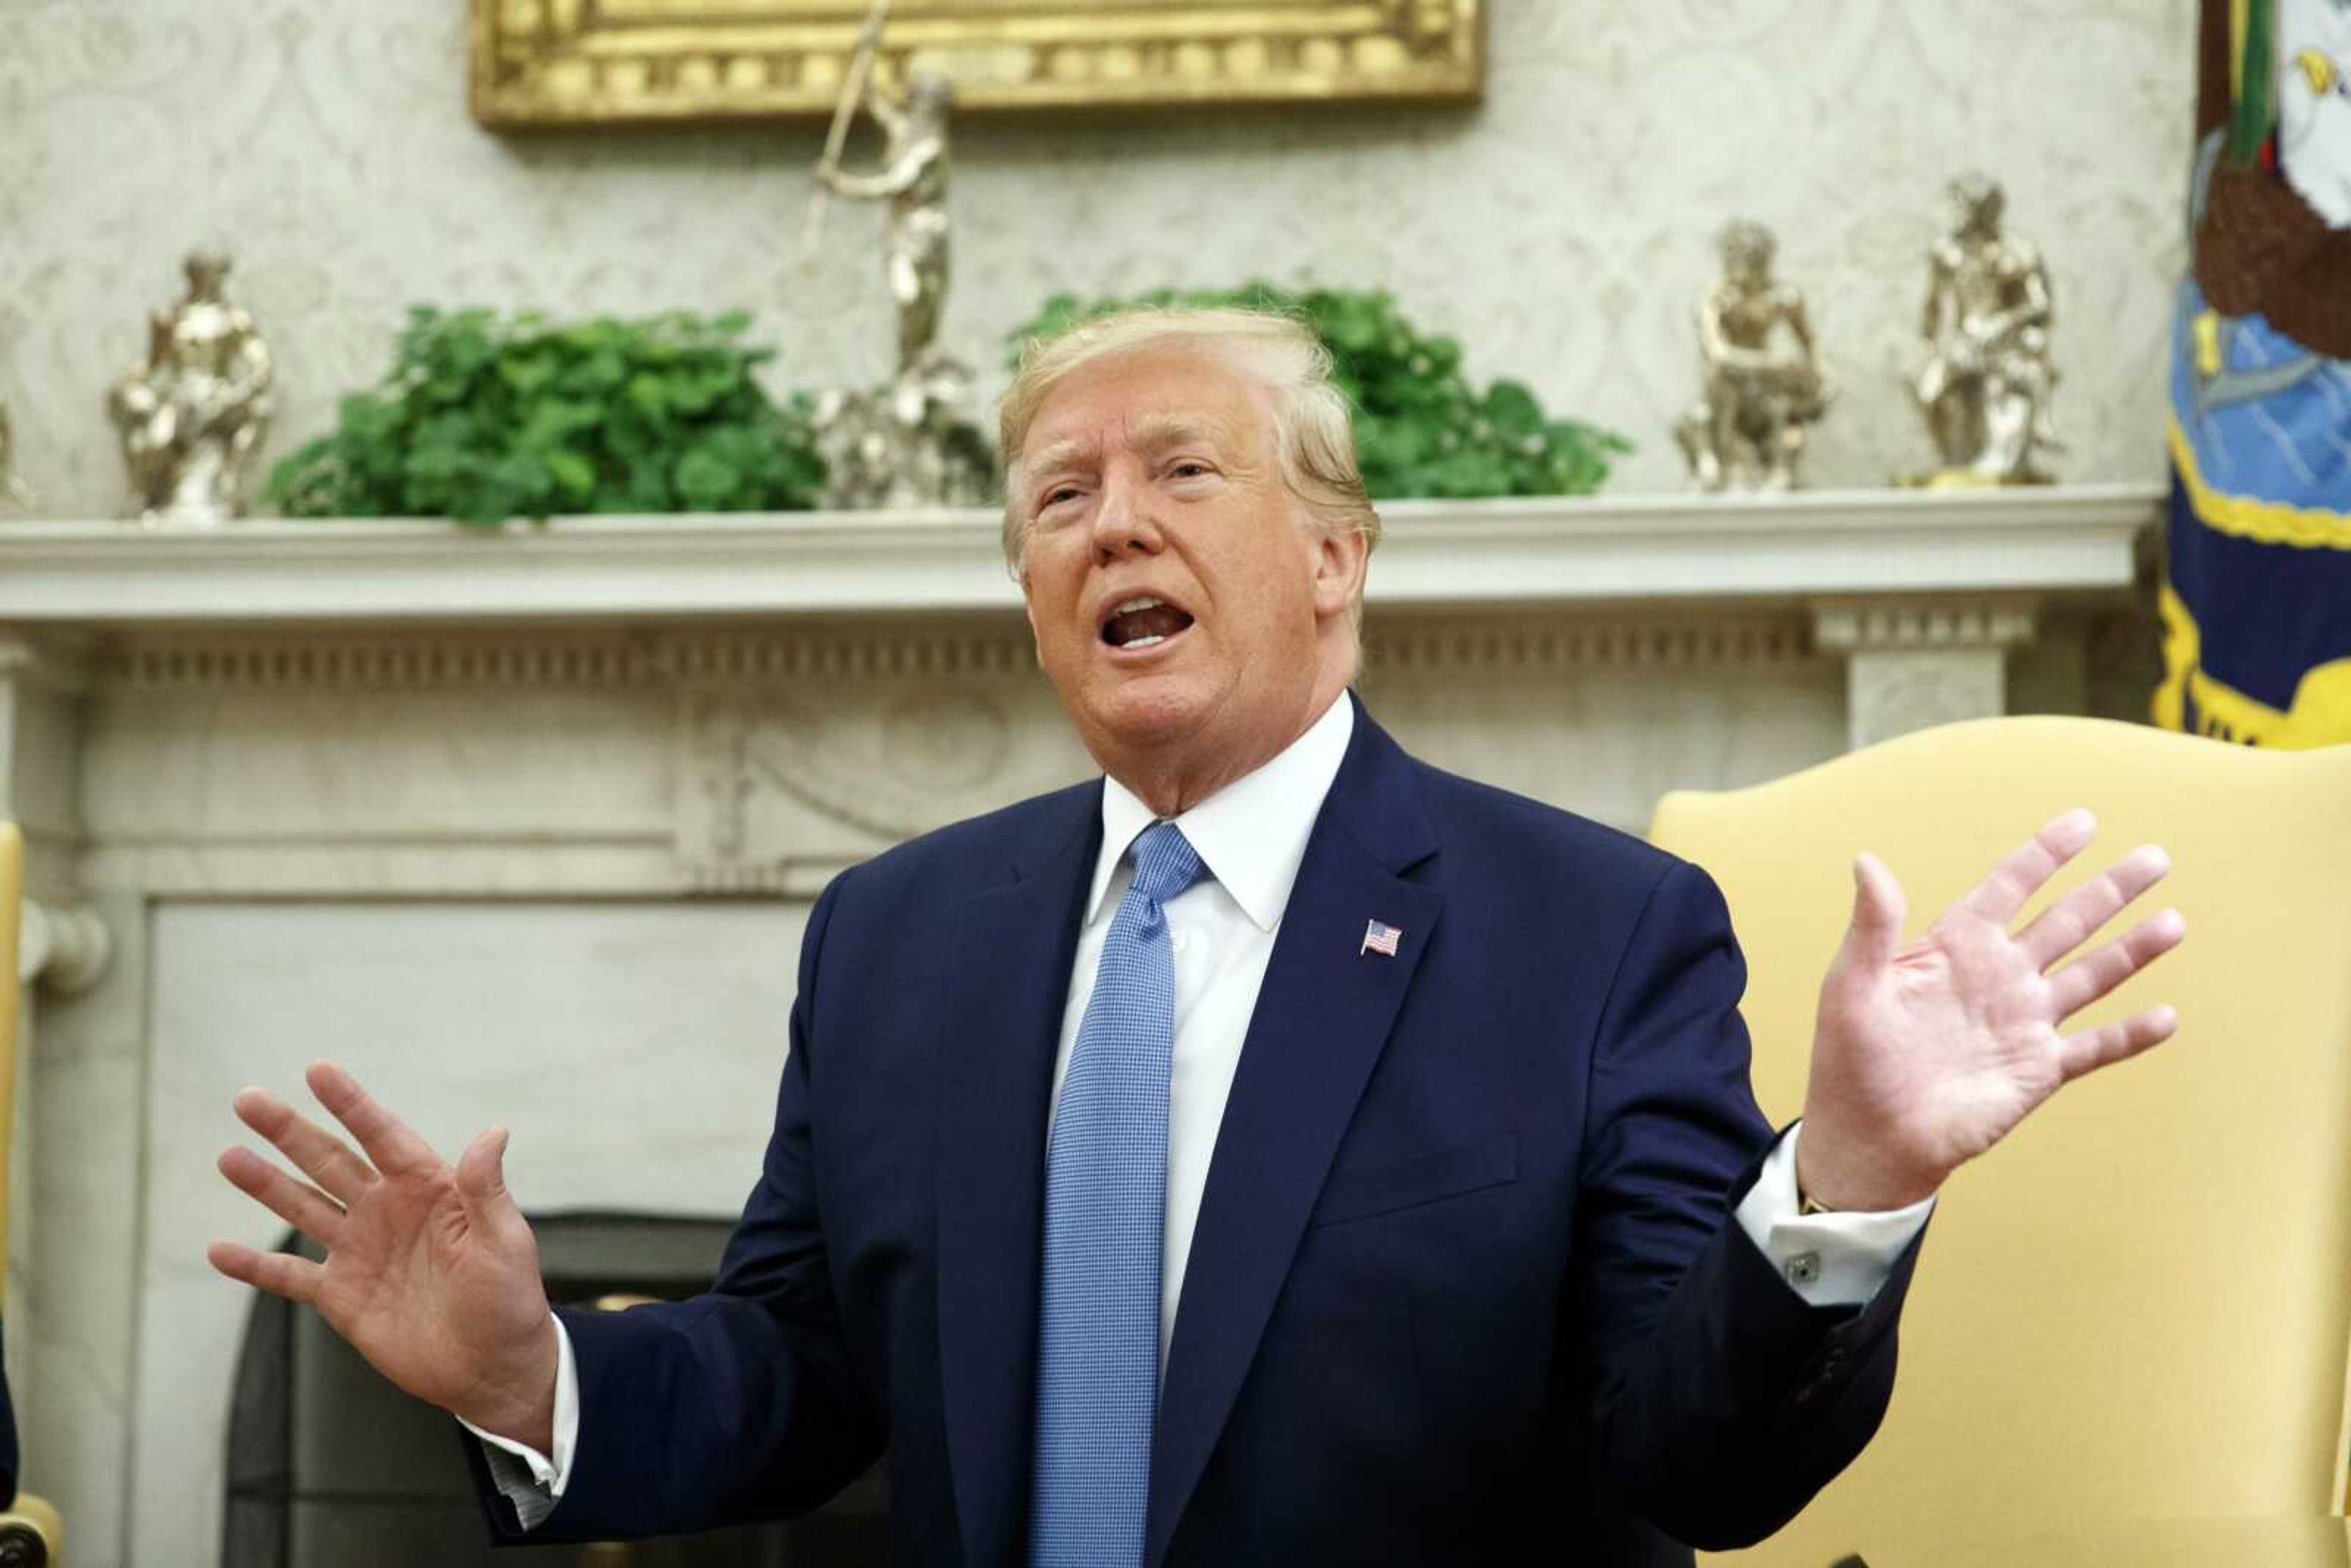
{"type": "Point", "coordinates": [1145, 620]}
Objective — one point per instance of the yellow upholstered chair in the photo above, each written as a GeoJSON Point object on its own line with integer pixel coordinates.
{"type": "Point", "coordinates": [2126, 1339]}
{"type": "Point", "coordinates": [29, 1531]}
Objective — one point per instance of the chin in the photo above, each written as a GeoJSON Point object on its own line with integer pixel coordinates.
{"type": "Point", "coordinates": [1149, 711]}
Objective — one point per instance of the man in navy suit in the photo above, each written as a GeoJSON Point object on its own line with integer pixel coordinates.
{"type": "Point", "coordinates": [1277, 1150]}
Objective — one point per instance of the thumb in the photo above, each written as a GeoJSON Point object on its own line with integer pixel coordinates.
{"type": "Point", "coordinates": [1878, 908]}
{"type": "Point", "coordinates": [481, 1184]}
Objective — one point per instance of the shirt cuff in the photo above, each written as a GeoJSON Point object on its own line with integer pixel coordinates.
{"type": "Point", "coordinates": [1834, 1259]}
{"type": "Point", "coordinates": [531, 1480]}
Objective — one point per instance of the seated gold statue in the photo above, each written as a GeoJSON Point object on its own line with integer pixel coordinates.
{"type": "Point", "coordinates": [1987, 381]}
{"type": "Point", "coordinates": [1748, 428]}
{"type": "Point", "coordinates": [192, 413]}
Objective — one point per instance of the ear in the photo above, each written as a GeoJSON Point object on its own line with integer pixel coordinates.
{"type": "Point", "coordinates": [1339, 558]}
{"type": "Point", "coordinates": [1029, 608]}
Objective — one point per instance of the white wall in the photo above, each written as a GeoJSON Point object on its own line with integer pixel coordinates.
{"type": "Point", "coordinates": [1561, 231]}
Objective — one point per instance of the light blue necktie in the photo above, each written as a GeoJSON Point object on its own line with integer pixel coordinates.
{"type": "Point", "coordinates": [1105, 1200]}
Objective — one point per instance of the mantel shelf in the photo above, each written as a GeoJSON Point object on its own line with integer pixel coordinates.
{"type": "Point", "coordinates": [1524, 554]}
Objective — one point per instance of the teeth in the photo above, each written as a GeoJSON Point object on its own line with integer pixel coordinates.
{"type": "Point", "coordinates": [1143, 642]}
{"type": "Point", "coordinates": [1146, 603]}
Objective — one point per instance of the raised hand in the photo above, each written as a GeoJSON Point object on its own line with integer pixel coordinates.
{"type": "Point", "coordinates": [432, 1273]}
{"type": "Point", "coordinates": [1924, 1056]}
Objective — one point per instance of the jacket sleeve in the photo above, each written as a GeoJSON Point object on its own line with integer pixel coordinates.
{"type": "Point", "coordinates": [739, 1404]}
{"type": "Point", "coordinates": [1719, 1400]}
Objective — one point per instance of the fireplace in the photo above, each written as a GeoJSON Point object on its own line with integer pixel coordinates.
{"type": "Point", "coordinates": [330, 1466]}
{"type": "Point", "coordinates": [574, 791]}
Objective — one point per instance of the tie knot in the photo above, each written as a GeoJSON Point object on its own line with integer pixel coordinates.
{"type": "Point", "coordinates": [1165, 864]}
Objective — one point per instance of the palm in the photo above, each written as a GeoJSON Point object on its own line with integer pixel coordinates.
{"type": "Point", "coordinates": [418, 1292]}
{"type": "Point", "coordinates": [1972, 1012]}
{"type": "Point", "coordinates": [431, 1272]}
{"type": "Point", "coordinates": [1928, 1054]}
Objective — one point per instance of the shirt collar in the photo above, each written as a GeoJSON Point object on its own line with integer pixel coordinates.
{"type": "Point", "coordinates": [1251, 834]}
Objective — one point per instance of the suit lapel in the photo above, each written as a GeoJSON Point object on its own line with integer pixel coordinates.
{"type": "Point", "coordinates": [1323, 1018]}
{"type": "Point", "coordinates": [1008, 984]}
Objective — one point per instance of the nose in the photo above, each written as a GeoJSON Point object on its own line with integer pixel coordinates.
{"type": "Point", "coordinates": [1124, 522]}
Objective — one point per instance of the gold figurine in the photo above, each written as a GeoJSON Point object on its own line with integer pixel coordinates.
{"type": "Point", "coordinates": [906, 443]}
{"type": "Point", "coordinates": [193, 412]}
{"type": "Point", "coordinates": [1986, 385]}
{"type": "Point", "coordinates": [1762, 386]}
{"type": "Point", "coordinates": [913, 178]}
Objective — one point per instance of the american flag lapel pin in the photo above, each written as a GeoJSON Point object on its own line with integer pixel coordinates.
{"type": "Point", "coordinates": [1379, 937]}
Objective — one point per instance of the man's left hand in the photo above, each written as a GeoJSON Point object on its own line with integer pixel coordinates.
{"type": "Point", "coordinates": [1926, 1055]}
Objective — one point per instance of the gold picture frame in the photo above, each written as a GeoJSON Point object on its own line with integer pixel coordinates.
{"type": "Point", "coordinates": [540, 64]}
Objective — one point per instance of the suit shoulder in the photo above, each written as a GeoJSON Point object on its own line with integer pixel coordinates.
{"type": "Point", "coordinates": [1487, 820]}
{"type": "Point", "coordinates": [1588, 890]}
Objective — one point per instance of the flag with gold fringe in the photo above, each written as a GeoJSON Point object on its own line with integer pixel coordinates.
{"type": "Point", "coordinates": [2257, 601]}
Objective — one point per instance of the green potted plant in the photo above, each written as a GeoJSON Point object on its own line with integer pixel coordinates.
{"type": "Point", "coordinates": [483, 417]}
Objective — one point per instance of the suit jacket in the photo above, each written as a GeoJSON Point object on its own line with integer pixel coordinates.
{"type": "Point", "coordinates": [1464, 1286]}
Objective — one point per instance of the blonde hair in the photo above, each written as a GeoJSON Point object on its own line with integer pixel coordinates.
{"type": "Point", "coordinates": [1312, 433]}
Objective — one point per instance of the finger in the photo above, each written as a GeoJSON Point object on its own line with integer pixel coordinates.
{"type": "Point", "coordinates": [279, 1274]}
{"type": "Point", "coordinates": [395, 1150]}
{"type": "Point", "coordinates": [2030, 865]}
{"type": "Point", "coordinates": [297, 1202]}
{"type": "Point", "coordinates": [2095, 1048]}
{"type": "Point", "coordinates": [2076, 917]}
{"type": "Point", "coordinates": [316, 1152]}
{"type": "Point", "coordinates": [481, 1185]}
{"type": "Point", "coordinates": [2094, 974]}
{"type": "Point", "coordinates": [1878, 907]}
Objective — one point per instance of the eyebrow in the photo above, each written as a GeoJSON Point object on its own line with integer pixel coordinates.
{"type": "Point", "coordinates": [1152, 433]}
{"type": "Point", "coordinates": [1061, 453]}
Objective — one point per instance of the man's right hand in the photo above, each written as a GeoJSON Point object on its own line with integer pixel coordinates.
{"type": "Point", "coordinates": [432, 1273]}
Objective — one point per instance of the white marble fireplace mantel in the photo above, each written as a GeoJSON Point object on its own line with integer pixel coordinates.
{"type": "Point", "coordinates": [1539, 553]}
{"type": "Point", "coordinates": [500, 815]}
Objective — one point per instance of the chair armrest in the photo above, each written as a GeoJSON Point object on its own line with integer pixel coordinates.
{"type": "Point", "coordinates": [2312, 1541]}
{"type": "Point", "coordinates": [31, 1534]}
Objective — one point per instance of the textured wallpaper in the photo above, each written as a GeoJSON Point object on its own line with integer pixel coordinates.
{"type": "Point", "coordinates": [1562, 231]}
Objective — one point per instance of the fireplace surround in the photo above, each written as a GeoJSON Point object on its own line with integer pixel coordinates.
{"type": "Point", "coordinates": [330, 1466]}
{"type": "Point", "coordinates": [411, 795]}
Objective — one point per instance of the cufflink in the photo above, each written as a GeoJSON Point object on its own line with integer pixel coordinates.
{"type": "Point", "coordinates": [1802, 1268]}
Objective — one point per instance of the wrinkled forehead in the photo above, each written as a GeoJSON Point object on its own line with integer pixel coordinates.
{"type": "Point", "coordinates": [1145, 401]}
{"type": "Point", "coordinates": [1145, 434]}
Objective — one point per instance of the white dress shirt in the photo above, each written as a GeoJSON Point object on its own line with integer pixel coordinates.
{"type": "Point", "coordinates": [1251, 836]}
